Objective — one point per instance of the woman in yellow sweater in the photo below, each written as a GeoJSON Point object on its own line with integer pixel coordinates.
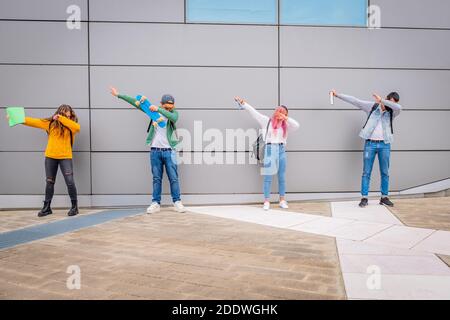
{"type": "Point", "coordinates": [61, 129]}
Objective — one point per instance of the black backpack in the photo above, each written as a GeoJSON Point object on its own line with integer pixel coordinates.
{"type": "Point", "coordinates": [259, 146]}
{"type": "Point", "coordinates": [375, 106]}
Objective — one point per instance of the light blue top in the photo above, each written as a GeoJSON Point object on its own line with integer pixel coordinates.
{"type": "Point", "coordinates": [372, 122]}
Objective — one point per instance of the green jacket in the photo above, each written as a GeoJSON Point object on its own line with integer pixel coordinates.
{"type": "Point", "coordinates": [172, 117]}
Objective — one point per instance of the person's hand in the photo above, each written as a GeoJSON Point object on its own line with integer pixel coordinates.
{"type": "Point", "coordinates": [239, 100]}
{"type": "Point", "coordinates": [377, 98]}
{"type": "Point", "coordinates": [56, 117]}
{"type": "Point", "coordinates": [7, 117]}
{"type": "Point", "coordinates": [114, 91]}
{"type": "Point", "coordinates": [142, 100]}
{"type": "Point", "coordinates": [281, 116]}
{"type": "Point", "coordinates": [333, 92]}
{"type": "Point", "coordinates": [153, 108]}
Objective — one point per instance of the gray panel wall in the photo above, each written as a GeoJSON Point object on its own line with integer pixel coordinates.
{"type": "Point", "coordinates": [175, 44]}
{"type": "Point", "coordinates": [414, 14]}
{"type": "Point", "coordinates": [145, 47]}
{"type": "Point", "coordinates": [37, 86]}
{"type": "Point", "coordinates": [40, 10]}
{"type": "Point", "coordinates": [364, 48]}
{"type": "Point", "coordinates": [137, 10]}
{"type": "Point", "coordinates": [42, 42]}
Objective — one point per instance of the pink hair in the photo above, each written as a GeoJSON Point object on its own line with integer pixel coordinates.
{"type": "Point", "coordinates": [277, 123]}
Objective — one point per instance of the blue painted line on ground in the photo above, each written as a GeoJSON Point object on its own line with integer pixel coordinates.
{"type": "Point", "coordinates": [21, 236]}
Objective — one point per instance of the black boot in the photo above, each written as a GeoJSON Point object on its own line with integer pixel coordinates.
{"type": "Point", "coordinates": [46, 210]}
{"type": "Point", "coordinates": [74, 210]}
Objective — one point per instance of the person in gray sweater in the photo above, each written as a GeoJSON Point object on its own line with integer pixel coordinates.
{"type": "Point", "coordinates": [378, 134]}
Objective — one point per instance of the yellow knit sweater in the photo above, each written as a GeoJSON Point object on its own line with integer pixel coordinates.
{"type": "Point", "coordinates": [58, 147]}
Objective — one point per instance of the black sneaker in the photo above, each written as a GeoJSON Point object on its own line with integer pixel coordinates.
{"type": "Point", "coordinates": [364, 202]}
{"type": "Point", "coordinates": [386, 202]}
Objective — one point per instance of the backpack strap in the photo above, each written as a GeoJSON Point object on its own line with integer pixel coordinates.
{"type": "Point", "coordinates": [267, 130]}
{"type": "Point", "coordinates": [149, 125]}
{"type": "Point", "coordinates": [375, 106]}
{"type": "Point", "coordinates": [391, 116]}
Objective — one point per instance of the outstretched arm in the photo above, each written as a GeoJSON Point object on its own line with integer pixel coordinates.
{"type": "Point", "coordinates": [126, 98]}
{"type": "Point", "coordinates": [262, 119]}
{"type": "Point", "coordinates": [361, 104]}
{"type": "Point", "coordinates": [37, 123]}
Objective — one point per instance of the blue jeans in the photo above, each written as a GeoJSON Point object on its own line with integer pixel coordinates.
{"type": "Point", "coordinates": [159, 159]}
{"type": "Point", "coordinates": [371, 149]}
{"type": "Point", "coordinates": [274, 163]}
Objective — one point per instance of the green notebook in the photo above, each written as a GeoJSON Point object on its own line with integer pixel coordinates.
{"type": "Point", "coordinates": [16, 115]}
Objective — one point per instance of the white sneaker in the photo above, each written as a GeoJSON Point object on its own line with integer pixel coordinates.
{"type": "Point", "coordinates": [178, 206]}
{"type": "Point", "coordinates": [284, 205]}
{"type": "Point", "coordinates": [154, 207]}
{"type": "Point", "coordinates": [266, 205]}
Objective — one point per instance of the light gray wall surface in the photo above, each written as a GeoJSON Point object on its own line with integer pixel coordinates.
{"type": "Point", "coordinates": [414, 14]}
{"type": "Point", "coordinates": [144, 47]}
{"type": "Point", "coordinates": [137, 10]}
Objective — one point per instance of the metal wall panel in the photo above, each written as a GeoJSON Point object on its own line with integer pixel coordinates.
{"type": "Point", "coordinates": [40, 10]}
{"type": "Point", "coordinates": [414, 14]}
{"type": "Point", "coordinates": [42, 42]}
{"type": "Point", "coordinates": [173, 44]}
{"type": "Point", "coordinates": [36, 86]}
{"type": "Point", "coordinates": [364, 48]}
{"type": "Point", "coordinates": [137, 10]}
{"type": "Point", "coordinates": [24, 173]}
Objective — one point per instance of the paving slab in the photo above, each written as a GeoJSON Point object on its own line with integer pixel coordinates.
{"type": "Point", "coordinates": [359, 230]}
{"type": "Point", "coordinates": [362, 248]}
{"type": "Point", "coordinates": [397, 287]}
{"type": "Point", "coordinates": [403, 265]}
{"type": "Point", "coordinates": [372, 213]}
{"type": "Point", "coordinates": [273, 218]}
{"type": "Point", "coordinates": [400, 236]}
{"type": "Point", "coordinates": [438, 242]}
{"type": "Point", "coordinates": [322, 225]}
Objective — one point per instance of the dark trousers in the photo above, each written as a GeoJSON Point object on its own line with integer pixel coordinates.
{"type": "Point", "coordinates": [51, 168]}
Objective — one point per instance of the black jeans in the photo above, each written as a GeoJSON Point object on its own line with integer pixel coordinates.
{"type": "Point", "coordinates": [51, 168]}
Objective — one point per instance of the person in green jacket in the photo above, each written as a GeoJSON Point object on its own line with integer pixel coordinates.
{"type": "Point", "coordinates": [162, 142]}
